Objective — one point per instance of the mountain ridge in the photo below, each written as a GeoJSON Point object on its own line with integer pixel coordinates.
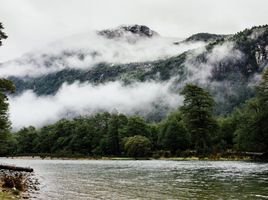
{"type": "Point", "coordinates": [227, 66]}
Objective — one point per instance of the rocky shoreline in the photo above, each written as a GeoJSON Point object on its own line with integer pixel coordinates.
{"type": "Point", "coordinates": [21, 185]}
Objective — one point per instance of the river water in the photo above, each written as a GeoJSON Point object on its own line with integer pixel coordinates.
{"type": "Point", "coordinates": [151, 179]}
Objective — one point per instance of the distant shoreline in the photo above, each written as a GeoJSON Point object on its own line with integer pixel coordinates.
{"type": "Point", "coordinates": [129, 158]}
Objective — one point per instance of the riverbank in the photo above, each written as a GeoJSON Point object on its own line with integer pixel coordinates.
{"type": "Point", "coordinates": [193, 158]}
{"type": "Point", "coordinates": [17, 184]}
{"type": "Point", "coordinates": [7, 195]}
{"type": "Point", "coordinates": [163, 155]}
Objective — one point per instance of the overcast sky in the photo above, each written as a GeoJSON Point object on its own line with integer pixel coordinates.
{"type": "Point", "coordinates": [31, 24]}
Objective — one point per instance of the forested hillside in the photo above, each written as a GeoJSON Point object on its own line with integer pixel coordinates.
{"type": "Point", "coordinates": [228, 66]}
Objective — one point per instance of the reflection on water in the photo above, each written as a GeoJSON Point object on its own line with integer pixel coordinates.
{"type": "Point", "coordinates": [103, 179]}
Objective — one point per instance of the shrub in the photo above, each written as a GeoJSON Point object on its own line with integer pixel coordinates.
{"type": "Point", "coordinates": [138, 146]}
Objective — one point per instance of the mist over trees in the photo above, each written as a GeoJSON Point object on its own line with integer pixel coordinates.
{"type": "Point", "coordinates": [192, 129]}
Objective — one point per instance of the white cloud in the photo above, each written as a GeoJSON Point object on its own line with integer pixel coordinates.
{"type": "Point", "coordinates": [200, 63]}
{"type": "Point", "coordinates": [94, 49]}
{"type": "Point", "coordinates": [82, 99]}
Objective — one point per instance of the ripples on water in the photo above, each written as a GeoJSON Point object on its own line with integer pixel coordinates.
{"type": "Point", "coordinates": [104, 179]}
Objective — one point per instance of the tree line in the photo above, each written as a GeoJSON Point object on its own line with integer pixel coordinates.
{"type": "Point", "coordinates": [190, 130]}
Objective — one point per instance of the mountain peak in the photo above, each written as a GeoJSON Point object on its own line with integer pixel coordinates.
{"type": "Point", "coordinates": [205, 37]}
{"type": "Point", "coordinates": [121, 31]}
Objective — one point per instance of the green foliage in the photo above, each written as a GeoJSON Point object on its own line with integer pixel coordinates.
{"type": "Point", "coordinates": [113, 140]}
{"type": "Point", "coordinates": [102, 134]}
{"type": "Point", "coordinates": [6, 87]}
{"type": "Point", "coordinates": [173, 134]}
{"type": "Point", "coordinates": [136, 126]}
{"type": "Point", "coordinates": [252, 132]}
{"type": "Point", "coordinates": [26, 139]}
{"type": "Point", "coordinates": [137, 146]}
{"type": "Point", "coordinates": [225, 135]}
{"type": "Point", "coordinates": [197, 114]}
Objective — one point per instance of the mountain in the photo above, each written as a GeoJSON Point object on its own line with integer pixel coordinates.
{"type": "Point", "coordinates": [128, 30]}
{"type": "Point", "coordinates": [207, 37]}
{"type": "Point", "coordinates": [227, 65]}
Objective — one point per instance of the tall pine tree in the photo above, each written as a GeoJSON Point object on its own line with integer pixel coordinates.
{"type": "Point", "coordinates": [197, 112]}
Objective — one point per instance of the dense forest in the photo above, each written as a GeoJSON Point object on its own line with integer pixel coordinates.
{"type": "Point", "coordinates": [192, 130]}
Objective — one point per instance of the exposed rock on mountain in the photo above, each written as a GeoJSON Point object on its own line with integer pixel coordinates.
{"type": "Point", "coordinates": [261, 53]}
{"type": "Point", "coordinates": [138, 30]}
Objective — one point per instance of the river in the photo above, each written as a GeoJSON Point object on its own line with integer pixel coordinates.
{"type": "Point", "coordinates": [149, 179]}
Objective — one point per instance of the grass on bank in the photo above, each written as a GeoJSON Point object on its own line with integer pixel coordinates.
{"type": "Point", "coordinates": [7, 196]}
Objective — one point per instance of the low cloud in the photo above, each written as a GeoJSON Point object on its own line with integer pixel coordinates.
{"type": "Point", "coordinates": [140, 97]}
{"type": "Point", "coordinates": [84, 99]}
{"type": "Point", "coordinates": [85, 51]}
{"type": "Point", "coordinates": [200, 63]}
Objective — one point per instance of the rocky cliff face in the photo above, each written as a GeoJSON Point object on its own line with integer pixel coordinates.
{"type": "Point", "coordinates": [261, 54]}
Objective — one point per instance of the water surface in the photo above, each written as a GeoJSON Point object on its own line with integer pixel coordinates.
{"type": "Point", "coordinates": [152, 179]}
